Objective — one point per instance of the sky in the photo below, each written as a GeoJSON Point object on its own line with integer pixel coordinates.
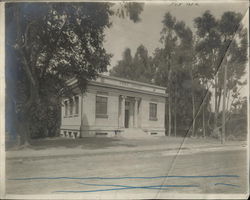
{"type": "Point", "coordinates": [126, 34]}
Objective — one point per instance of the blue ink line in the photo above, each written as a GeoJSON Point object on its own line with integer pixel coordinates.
{"type": "Point", "coordinates": [150, 186]}
{"type": "Point", "coordinates": [226, 184]}
{"type": "Point", "coordinates": [79, 191]}
{"type": "Point", "coordinates": [135, 187]}
{"type": "Point", "coordinates": [114, 178]}
{"type": "Point", "coordinates": [123, 187]}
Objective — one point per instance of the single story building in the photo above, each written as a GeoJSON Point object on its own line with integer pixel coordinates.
{"type": "Point", "coordinates": [114, 106]}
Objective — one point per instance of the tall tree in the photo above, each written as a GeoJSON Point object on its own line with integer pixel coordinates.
{"type": "Point", "coordinates": [169, 40]}
{"type": "Point", "coordinates": [207, 49]}
{"type": "Point", "coordinates": [48, 43]}
{"type": "Point", "coordinates": [143, 66]}
{"type": "Point", "coordinates": [138, 67]}
{"type": "Point", "coordinates": [186, 60]}
{"type": "Point", "coordinates": [175, 57]}
{"type": "Point", "coordinates": [234, 38]}
{"type": "Point", "coordinates": [131, 10]}
{"type": "Point", "coordinates": [221, 50]}
{"type": "Point", "coordinates": [124, 67]}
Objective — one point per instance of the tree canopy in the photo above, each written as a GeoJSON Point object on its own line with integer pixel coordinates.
{"type": "Point", "coordinates": [138, 67]}
{"type": "Point", "coordinates": [188, 64]}
{"type": "Point", "coordinates": [221, 44]}
{"type": "Point", "coordinates": [48, 43]}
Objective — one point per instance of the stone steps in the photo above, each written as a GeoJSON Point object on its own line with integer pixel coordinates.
{"type": "Point", "coordinates": [133, 133]}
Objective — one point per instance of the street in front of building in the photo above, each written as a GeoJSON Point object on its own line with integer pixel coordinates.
{"type": "Point", "coordinates": [220, 170]}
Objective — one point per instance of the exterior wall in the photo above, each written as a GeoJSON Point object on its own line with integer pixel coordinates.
{"type": "Point", "coordinates": [153, 126]}
{"type": "Point", "coordinates": [87, 124]}
{"type": "Point", "coordinates": [71, 123]}
{"type": "Point", "coordinates": [92, 124]}
{"type": "Point", "coordinates": [112, 120]}
{"type": "Point", "coordinates": [88, 109]}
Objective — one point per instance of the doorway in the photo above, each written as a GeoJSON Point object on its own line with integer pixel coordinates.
{"type": "Point", "coordinates": [127, 104]}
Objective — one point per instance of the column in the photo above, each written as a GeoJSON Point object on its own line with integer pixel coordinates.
{"type": "Point", "coordinates": [131, 114]}
{"type": "Point", "coordinates": [136, 112]}
{"type": "Point", "coordinates": [81, 114]}
{"type": "Point", "coordinates": [122, 111]}
{"type": "Point", "coordinates": [74, 106]}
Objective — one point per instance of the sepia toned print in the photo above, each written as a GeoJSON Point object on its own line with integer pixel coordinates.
{"type": "Point", "coordinates": [126, 100]}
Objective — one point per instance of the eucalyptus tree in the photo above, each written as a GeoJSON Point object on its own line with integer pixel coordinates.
{"type": "Point", "coordinates": [48, 43]}
{"type": "Point", "coordinates": [207, 50]}
{"type": "Point", "coordinates": [143, 65]}
{"type": "Point", "coordinates": [124, 67]}
{"type": "Point", "coordinates": [138, 67]}
{"type": "Point", "coordinates": [234, 40]}
{"type": "Point", "coordinates": [221, 50]}
{"type": "Point", "coordinates": [169, 41]}
{"type": "Point", "coordinates": [175, 57]}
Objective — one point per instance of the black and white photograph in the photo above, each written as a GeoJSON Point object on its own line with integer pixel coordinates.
{"type": "Point", "coordinates": [124, 99]}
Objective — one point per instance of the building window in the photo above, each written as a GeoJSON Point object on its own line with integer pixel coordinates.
{"type": "Point", "coordinates": [153, 111]}
{"type": "Point", "coordinates": [71, 106]}
{"type": "Point", "coordinates": [76, 105]}
{"type": "Point", "coordinates": [66, 108]}
{"type": "Point", "coordinates": [101, 107]}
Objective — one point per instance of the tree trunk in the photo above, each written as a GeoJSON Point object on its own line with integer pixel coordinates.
{"type": "Point", "coordinates": [24, 131]}
{"type": "Point", "coordinates": [203, 115]}
{"type": "Point", "coordinates": [223, 133]}
{"type": "Point", "coordinates": [193, 103]}
{"type": "Point", "coordinates": [175, 112]}
{"type": "Point", "coordinates": [170, 99]}
{"type": "Point", "coordinates": [228, 98]}
{"type": "Point", "coordinates": [203, 121]}
{"type": "Point", "coordinates": [32, 82]}
{"type": "Point", "coordinates": [194, 121]}
{"type": "Point", "coordinates": [215, 103]}
{"type": "Point", "coordinates": [219, 100]}
{"type": "Point", "coordinates": [169, 115]}
{"type": "Point", "coordinates": [24, 120]}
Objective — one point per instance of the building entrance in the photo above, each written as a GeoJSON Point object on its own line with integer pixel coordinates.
{"type": "Point", "coordinates": [126, 123]}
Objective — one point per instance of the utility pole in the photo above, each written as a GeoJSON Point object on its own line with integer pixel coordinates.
{"type": "Point", "coordinates": [223, 133]}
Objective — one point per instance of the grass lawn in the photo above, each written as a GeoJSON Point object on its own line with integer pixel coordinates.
{"type": "Point", "coordinates": [99, 143]}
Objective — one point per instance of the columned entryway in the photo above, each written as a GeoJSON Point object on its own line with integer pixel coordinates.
{"type": "Point", "coordinates": [128, 112]}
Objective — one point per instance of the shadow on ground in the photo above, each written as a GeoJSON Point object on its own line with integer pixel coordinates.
{"type": "Point", "coordinates": [85, 143]}
{"type": "Point", "coordinates": [109, 142]}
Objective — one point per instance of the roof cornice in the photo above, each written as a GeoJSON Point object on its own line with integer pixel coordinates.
{"type": "Point", "coordinates": [94, 83]}
{"type": "Point", "coordinates": [133, 82]}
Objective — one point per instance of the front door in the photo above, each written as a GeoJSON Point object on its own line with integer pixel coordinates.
{"type": "Point", "coordinates": [126, 114]}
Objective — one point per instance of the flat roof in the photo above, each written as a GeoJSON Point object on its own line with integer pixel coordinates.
{"type": "Point", "coordinates": [125, 84]}
{"type": "Point", "coordinates": [131, 81]}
